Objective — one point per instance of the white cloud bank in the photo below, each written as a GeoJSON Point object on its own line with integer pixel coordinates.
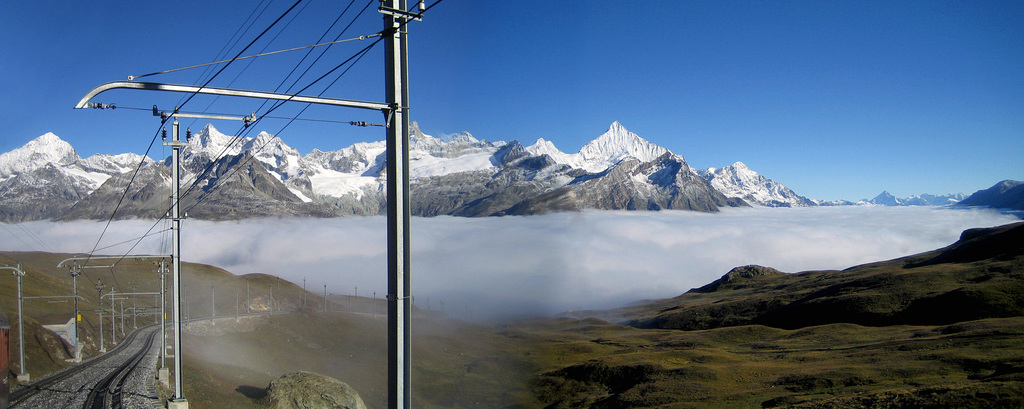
{"type": "Point", "coordinates": [484, 267]}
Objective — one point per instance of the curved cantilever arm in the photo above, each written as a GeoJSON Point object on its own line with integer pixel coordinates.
{"type": "Point", "coordinates": [153, 86]}
{"type": "Point", "coordinates": [86, 257]}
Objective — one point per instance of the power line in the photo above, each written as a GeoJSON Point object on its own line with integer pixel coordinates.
{"type": "Point", "coordinates": [132, 78]}
{"type": "Point", "coordinates": [355, 57]}
{"type": "Point", "coordinates": [322, 36]}
{"type": "Point", "coordinates": [34, 237]}
{"type": "Point", "coordinates": [29, 245]}
{"type": "Point", "coordinates": [209, 167]}
{"type": "Point", "coordinates": [333, 121]}
{"type": "Point", "coordinates": [239, 32]}
{"type": "Point", "coordinates": [163, 121]}
{"type": "Point", "coordinates": [250, 62]}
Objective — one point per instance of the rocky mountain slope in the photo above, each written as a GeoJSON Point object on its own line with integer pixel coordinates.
{"type": "Point", "coordinates": [739, 181]}
{"type": "Point", "coordinates": [229, 177]}
{"type": "Point", "coordinates": [46, 177]}
{"type": "Point", "coordinates": [1008, 194]}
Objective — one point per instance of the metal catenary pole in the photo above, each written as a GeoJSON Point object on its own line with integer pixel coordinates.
{"type": "Point", "coordinates": [178, 400]}
{"type": "Point", "coordinates": [75, 272]}
{"type": "Point", "coordinates": [398, 212]}
{"type": "Point", "coordinates": [23, 376]}
{"type": "Point", "coordinates": [163, 325]}
{"type": "Point", "coordinates": [99, 295]}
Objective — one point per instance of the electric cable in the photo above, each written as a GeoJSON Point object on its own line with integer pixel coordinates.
{"type": "Point", "coordinates": [278, 104]}
{"type": "Point", "coordinates": [164, 120]}
{"type": "Point", "coordinates": [250, 62]}
{"type": "Point", "coordinates": [259, 149]}
{"type": "Point", "coordinates": [240, 33]}
{"type": "Point", "coordinates": [29, 245]}
{"type": "Point", "coordinates": [357, 56]}
{"type": "Point", "coordinates": [34, 237]}
{"type": "Point", "coordinates": [132, 78]}
{"type": "Point", "coordinates": [297, 65]}
{"type": "Point", "coordinates": [210, 166]}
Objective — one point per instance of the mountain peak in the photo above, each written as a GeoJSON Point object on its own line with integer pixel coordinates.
{"type": "Point", "coordinates": [618, 143]}
{"type": "Point", "coordinates": [47, 148]}
{"type": "Point", "coordinates": [211, 142]}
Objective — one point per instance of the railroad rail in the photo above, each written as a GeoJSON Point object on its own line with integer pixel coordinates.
{"type": "Point", "coordinates": [101, 381]}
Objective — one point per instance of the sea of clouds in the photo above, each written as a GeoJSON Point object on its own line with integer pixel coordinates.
{"type": "Point", "coordinates": [484, 268]}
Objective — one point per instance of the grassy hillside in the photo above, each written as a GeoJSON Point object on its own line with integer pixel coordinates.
{"type": "Point", "coordinates": [939, 329]}
{"type": "Point", "coordinates": [980, 276]}
{"type": "Point", "coordinates": [45, 352]}
{"type": "Point", "coordinates": [943, 329]}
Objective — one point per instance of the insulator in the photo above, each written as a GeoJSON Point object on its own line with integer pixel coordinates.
{"type": "Point", "coordinates": [164, 133]}
{"type": "Point", "coordinates": [188, 134]}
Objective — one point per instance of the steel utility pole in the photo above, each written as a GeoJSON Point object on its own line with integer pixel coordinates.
{"type": "Point", "coordinates": [162, 371]}
{"type": "Point", "coordinates": [22, 375]}
{"type": "Point", "coordinates": [113, 323]}
{"type": "Point", "coordinates": [396, 59]}
{"type": "Point", "coordinates": [178, 401]}
{"type": "Point", "coordinates": [135, 311]}
{"type": "Point", "coordinates": [75, 272]}
{"type": "Point", "coordinates": [99, 292]}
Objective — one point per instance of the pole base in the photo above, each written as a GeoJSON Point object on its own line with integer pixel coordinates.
{"type": "Point", "coordinates": [163, 374]}
{"type": "Point", "coordinates": [177, 404]}
{"type": "Point", "coordinates": [23, 377]}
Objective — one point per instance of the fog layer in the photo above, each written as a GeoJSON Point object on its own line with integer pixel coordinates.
{"type": "Point", "coordinates": [483, 268]}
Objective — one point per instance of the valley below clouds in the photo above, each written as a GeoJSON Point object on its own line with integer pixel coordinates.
{"type": "Point", "coordinates": [500, 267]}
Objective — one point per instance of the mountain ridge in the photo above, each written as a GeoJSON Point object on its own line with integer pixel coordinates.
{"type": "Point", "coordinates": [456, 174]}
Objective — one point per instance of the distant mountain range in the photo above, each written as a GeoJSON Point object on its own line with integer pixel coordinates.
{"type": "Point", "coordinates": [455, 175]}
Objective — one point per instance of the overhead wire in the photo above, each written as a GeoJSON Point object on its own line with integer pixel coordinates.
{"type": "Point", "coordinates": [215, 160]}
{"type": "Point", "coordinates": [250, 61]}
{"type": "Point", "coordinates": [132, 78]}
{"type": "Point", "coordinates": [334, 121]}
{"type": "Point", "coordinates": [358, 56]}
{"type": "Point", "coordinates": [278, 104]}
{"type": "Point", "coordinates": [310, 51]}
{"type": "Point", "coordinates": [259, 149]}
{"type": "Point", "coordinates": [164, 120]}
{"type": "Point", "coordinates": [240, 33]}
{"type": "Point", "coordinates": [17, 236]}
{"type": "Point", "coordinates": [248, 128]}
{"type": "Point", "coordinates": [34, 237]}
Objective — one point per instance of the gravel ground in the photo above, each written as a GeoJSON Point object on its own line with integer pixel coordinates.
{"type": "Point", "coordinates": [72, 391]}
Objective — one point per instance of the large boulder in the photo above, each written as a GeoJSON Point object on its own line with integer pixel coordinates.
{"type": "Point", "coordinates": [308, 390]}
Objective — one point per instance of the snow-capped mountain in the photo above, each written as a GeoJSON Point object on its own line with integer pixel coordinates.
{"type": "Point", "coordinates": [453, 175]}
{"type": "Point", "coordinates": [888, 199]}
{"type": "Point", "coordinates": [739, 181]}
{"type": "Point", "coordinates": [1008, 194]}
{"type": "Point", "coordinates": [604, 152]}
{"type": "Point", "coordinates": [48, 148]}
{"type": "Point", "coordinates": [45, 177]}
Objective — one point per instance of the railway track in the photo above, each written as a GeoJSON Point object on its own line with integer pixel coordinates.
{"type": "Point", "coordinates": [117, 379]}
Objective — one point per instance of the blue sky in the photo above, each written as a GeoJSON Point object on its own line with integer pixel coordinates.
{"type": "Point", "coordinates": [837, 100]}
